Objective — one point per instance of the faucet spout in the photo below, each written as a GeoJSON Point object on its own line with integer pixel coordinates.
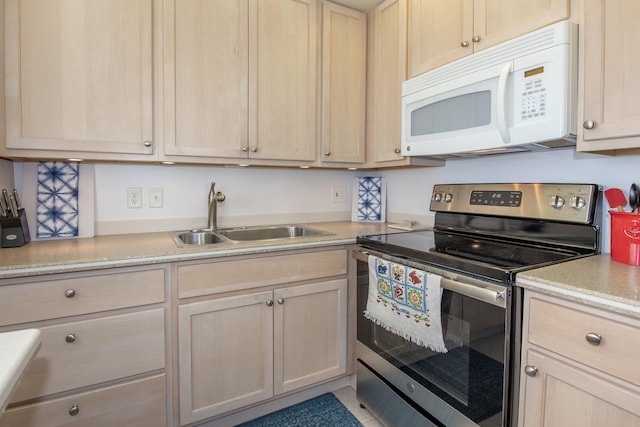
{"type": "Point", "coordinates": [214, 199]}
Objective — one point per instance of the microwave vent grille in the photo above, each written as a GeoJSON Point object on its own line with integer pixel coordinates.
{"type": "Point", "coordinates": [541, 39]}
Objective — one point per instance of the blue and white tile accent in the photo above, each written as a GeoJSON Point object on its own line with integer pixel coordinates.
{"type": "Point", "coordinates": [370, 205]}
{"type": "Point", "coordinates": [57, 199]}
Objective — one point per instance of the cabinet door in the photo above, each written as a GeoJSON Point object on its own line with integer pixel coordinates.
{"type": "Point", "coordinates": [206, 77]}
{"type": "Point", "coordinates": [388, 69]}
{"type": "Point", "coordinates": [225, 354]}
{"type": "Point", "coordinates": [564, 395]}
{"type": "Point", "coordinates": [78, 75]}
{"type": "Point", "coordinates": [344, 45]}
{"type": "Point", "coordinates": [610, 87]}
{"type": "Point", "coordinates": [496, 21]}
{"type": "Point", "coordinates": [440, 32]}
{"type": "Point", "coordinates": [283, 80]}
{"type": "Point", "coordinates": [310, 334]}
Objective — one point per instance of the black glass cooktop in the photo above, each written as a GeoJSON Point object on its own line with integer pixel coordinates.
{"type": "Point", "coordinates": [472, 255]}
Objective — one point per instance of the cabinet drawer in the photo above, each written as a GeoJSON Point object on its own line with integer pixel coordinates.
{"type": "Point", "coordinates": [563, 330]}
{"type": "Point", "coordinates": [140, 403]}
{"type": "Point", "coordinates": [100, 350]}
{"type": "Point", "coordinates": [224, 276]}
{"type": "Point", "coordinates": [50, 299]}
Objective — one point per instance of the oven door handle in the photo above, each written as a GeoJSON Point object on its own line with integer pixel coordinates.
{"type": "Point", "coordinates": [482, 291]}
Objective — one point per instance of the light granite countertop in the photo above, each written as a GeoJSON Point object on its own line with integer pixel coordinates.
{"type": "Point", "coordinates": [596, 281]}
{"type": "Point", "coordinates": [61, 256]}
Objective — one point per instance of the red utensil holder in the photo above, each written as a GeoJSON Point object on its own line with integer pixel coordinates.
{"type": "Point", "coordinates": [625, 237]}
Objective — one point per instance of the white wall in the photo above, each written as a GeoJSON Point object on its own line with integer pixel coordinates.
{"type": "Point", "coordinates": [253, 195]}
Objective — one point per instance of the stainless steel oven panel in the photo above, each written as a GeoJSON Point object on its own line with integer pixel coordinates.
{"type": "Point", "coordinates": [467, 286]}
{"type": "Point", "coordinates": [435, 406]}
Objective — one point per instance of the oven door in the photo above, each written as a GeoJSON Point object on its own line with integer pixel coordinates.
{"type": "Point", "coordinates": [463, 387]}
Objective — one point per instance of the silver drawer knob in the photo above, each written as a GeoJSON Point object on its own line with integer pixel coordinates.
{"type": "Point", "coordinates": [70, 293]}
{"type": "Point", "coordinates": [532, 371]}
{"type": "Point", "coordinates": [464, 43]}
{"type": "Point", "coordinates": [476, 39]}
{"type": "Point", "coordinates": [71, 338]}
{"type": "Point", "coordinates": [74, 410]}
{"type": "Point", "coordinates": [254, 149]}
{"type": "Point", "coordinates": [328, 153]}
{"type": "Point", "coordinates": [269, 302]}
{"type": "Point", "coordinates": [245, 149]}
{"type": "Point", "coordinates": [280, 300]}
{"type": "Point", "coordinates": [589, 124]}
{"type": "Point", "coordinates": [593, 338]}
{"type": "Point", "coordinates": [147, 143]}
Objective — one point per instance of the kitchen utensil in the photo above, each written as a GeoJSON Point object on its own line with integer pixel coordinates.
{"type": "Point", "coordinates": [15, 196]}
{"type": "Point", "coordinates": [5, 200]}
{"type": "Point", "coordinates": [14, 206]}
{"type": "Point", "coordinates": [634, 197]}
{"type": "Point", "coordinates": [616, 199]}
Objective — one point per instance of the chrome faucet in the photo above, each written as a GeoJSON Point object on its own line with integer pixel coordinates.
{"type": "Point", "coordinates": [214, 199]}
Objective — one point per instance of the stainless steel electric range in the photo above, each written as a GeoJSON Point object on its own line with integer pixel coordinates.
{"type": "Point", "coordinates": [483, 236]}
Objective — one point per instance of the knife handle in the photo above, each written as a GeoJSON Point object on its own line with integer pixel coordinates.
{"type": "Point", "coordinates": [15, 195]}
{"type": "Point", "coordinates": [14, 206]}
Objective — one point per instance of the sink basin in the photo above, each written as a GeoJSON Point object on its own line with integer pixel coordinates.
{"type": "Point", "coordinates": [243, 234]}
{"type": "Point", "coordinates": [197, 237]}
{"type": "Point", "coordinates": [270, 233]}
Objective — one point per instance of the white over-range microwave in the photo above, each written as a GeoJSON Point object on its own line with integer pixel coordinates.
{"type": "Point", "coordinates": [520, 95]}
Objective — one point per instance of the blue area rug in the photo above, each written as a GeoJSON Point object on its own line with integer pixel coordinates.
{"type": "Point", "coordinates": [322, 411]}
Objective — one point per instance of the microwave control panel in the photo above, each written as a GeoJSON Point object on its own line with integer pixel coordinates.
{"type": "Point", "coordinates": [533, 94]}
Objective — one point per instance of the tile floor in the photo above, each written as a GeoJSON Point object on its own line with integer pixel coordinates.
{"type": "Point", "coordinates": [347, 396]}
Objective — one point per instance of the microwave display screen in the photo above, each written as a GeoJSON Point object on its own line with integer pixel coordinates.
{"type": "Point", "coordinates": [534, 71]}
{"type": "Point", "coordinates": [496, 198]}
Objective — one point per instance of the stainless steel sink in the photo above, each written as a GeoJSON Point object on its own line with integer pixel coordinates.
{"type": "Point", "coordinates": [244, 234]}
{"type": "Point", "coordinates": [197, 237]}
{"type": "Point", "coordinates": [270, 233]}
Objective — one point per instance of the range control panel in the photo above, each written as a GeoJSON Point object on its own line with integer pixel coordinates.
{"type": "Point", "coordinates": [555, 202]}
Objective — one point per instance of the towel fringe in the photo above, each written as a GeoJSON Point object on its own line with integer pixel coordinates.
{"type": "Point", "coordinates": [404, 334]}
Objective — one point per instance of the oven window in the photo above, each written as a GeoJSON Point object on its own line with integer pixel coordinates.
{"type": "Point", "coordinates": [470, 376]}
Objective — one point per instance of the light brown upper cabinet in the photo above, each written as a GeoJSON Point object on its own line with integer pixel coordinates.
{"type": "Point", "coordinates": [344, 62]}
{"type": "Point", "coordinates": [240, 79]}
{"type": "Point", "coordinates": [609, 84]}
{"type": "Point", "coordinates": [386, 70]}
{"type": "Point", "coordinates": [78, 78]}
{"type": "Point", "coordinates": [441, 31]}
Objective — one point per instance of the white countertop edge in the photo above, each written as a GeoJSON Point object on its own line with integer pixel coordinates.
{"type": "Point", "coordinates": [581, 296]}
{"type": "Point", "coordinates": [158, 259]}
{"type": "Point", "coordinates": [17, 348]}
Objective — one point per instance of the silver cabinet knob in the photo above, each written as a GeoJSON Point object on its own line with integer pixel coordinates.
{"type": "Point", "coordinates": [280, 300]}
{"type": "Point", "coordinates": [397, 151]}
{"type": "Point", "coordinates": [71, 338]}
{"type": "Point", "coordinates": [70, 293]}
{"type": "Point", "coordinates": [532, 371]}
{"type": "Point", "coordinates": [464, 43]}
{"type": "Point", "coordinates": [147, 143]}
{"type": "Point", "coordinates": [328, 153]}
{"type": "Point", "coordinates": [74, 410]}
{"type": "Point", "coordinates": [269, 302]}
{"type": "Point", "coordinates": [476, 39]}
{"type": "Point", "coordinates": [245, 149]}
{"type": "Point", "coordinates": [254, 149]}
{"type": "Point", "coordinates": [589, 124]}
{"type": "Point", "coordinates": [593, 338]}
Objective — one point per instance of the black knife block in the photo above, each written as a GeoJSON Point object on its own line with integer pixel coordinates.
{"type": "Point", "coordinates": [15, 230]}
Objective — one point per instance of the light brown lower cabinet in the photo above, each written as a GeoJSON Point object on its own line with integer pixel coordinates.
{"type": "Point", "coordinates": [579, 366]}
{"type": "Point", "coordinates": [240, 350]}
{"type": "Point", "coordinates": [139, 403]}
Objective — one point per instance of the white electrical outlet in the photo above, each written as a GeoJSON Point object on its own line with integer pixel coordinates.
{"type": "Point", "coordinates": [134, 198]}
{"type": "Point", "coordinates": [155, 197]}
{"type": "Point", "coordinates": [338, 194]}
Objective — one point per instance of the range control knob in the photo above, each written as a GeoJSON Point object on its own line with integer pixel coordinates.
{"type": "Point", "coordinates": [437, 197]}
{"type": "Point", "coordinates": [556, 201]}
{"type": "Point", "coordinates": [448, 197]}
{"type": "Point", "coordinates": [577, 202]}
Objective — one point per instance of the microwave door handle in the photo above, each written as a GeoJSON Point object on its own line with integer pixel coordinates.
{"type": "Point", "coordinates": [501, 111]}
